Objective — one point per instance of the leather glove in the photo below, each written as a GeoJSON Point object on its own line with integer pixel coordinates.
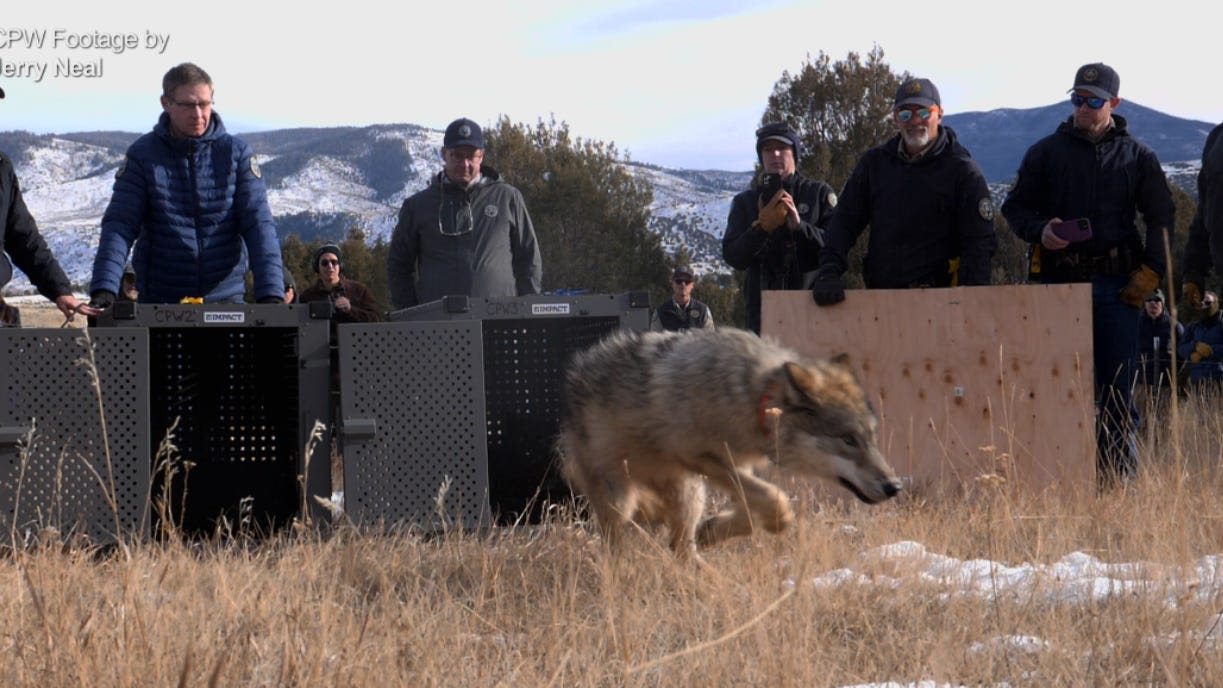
{"type": "Point", "coordinates": [1142, 282]}
{"type": "Point", "coordinates": [827, 288]}
{"type": "Point", "coordinates": [773, 214]}
{"type": "Point", "coordinates": [1191, 294]}
{"type": "Point", "coordinates": [270, 299]}
{"type": "Point", "coordinates": [1201, 350]}
{"type": "Point", "coordinates": [101, 300]}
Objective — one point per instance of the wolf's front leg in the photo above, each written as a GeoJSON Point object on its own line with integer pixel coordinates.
{"type": "Point", "coordinates": [758, 503]}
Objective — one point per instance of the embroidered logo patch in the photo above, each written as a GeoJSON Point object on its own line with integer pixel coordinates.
{"type": "Point", "coordinates": [490, 211]}
{"type": "Point", "coordinates": [985, 208]}
{"type": "Point", "coordinates": [255, 168]}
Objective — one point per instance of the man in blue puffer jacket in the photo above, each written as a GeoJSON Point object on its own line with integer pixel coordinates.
{"type": "Point", "coordinates": [192, 200]}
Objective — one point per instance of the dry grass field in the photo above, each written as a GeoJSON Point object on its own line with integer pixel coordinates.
{"type": "Point", "coordinates": [548, 605]}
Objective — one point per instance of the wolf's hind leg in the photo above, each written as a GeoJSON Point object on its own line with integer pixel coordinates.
{"type": "Point", "coordinates": [684, 505]}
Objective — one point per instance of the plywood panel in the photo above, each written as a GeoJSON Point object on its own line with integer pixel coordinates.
{"type": "Point", "coordinates": [967, 381]}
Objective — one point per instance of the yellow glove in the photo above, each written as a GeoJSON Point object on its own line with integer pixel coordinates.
{"type": "Point", "coordinates": [1142, 282]}
{"type": "Point", "coordinates": [1201, 350]}
{"type": "Point", "coordinates": [772, 214]}
{"type": "Point", "coordinates": [1191, 294]}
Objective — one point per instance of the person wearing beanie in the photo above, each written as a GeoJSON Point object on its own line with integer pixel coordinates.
{"type": "Point", "coordinates": [925, 200]}
{"type": "Point", "coordinates": [21, 243]}
{"type": "Point", "coordinates": [467, 234]}
{"type": "Point", "coordinates": [776, 227]}
{"type": "Point", "coordinates": [1092, 172]}
{"type": "Point", "coordinates": [353, 301]}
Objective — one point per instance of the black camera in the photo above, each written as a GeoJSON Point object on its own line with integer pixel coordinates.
{"type": "Point", "coordinates": [770, 184]}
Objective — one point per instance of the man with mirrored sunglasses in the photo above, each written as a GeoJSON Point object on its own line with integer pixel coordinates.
{"type": "Point", "coordinates": [925, 200]}
{"type": "Point", "coordinates": [1092, 169]}
{"type": "Point", "coordinates": [467, 234]}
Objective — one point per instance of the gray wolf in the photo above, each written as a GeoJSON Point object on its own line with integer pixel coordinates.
{"type": "Point", "coordinates": [651, 416]}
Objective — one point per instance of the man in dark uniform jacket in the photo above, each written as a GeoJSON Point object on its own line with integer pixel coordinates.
{"type": "Point", "coordinates": [776, 227]}
{"type": "Point", "coordinates": [1204, 249]}
{"type": "Point", "coordinates": [21, 242]}
{"type": "Point", "coordinates": [927, 204]}
{"type": "Point", "coordinates": [1092, 169]}
{"type": "Point", "coordinates": [682, 312]}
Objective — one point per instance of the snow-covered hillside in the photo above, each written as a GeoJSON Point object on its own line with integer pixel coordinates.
{"type": "Point", "coordinates": [321, 179]}
{"type": "Point", "coordinates": [67, 185]}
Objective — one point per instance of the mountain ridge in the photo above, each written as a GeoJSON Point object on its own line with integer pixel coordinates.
{"type": "Point", "coordinates": [323, 180]}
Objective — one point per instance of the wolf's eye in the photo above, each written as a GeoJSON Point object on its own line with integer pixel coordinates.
{"type": "Point", "coordinates": [850, 440]}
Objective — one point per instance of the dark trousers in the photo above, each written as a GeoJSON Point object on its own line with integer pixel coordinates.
{"type": "Point", "coordinates": [1115, 337]}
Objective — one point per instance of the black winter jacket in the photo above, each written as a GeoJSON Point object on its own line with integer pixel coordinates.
{"type": "Point", "coordinates": [782, 259]}
{"type": "Point", "coordinates": [922, 214]}
{"type": "Point", "coordinates": [20, 240]}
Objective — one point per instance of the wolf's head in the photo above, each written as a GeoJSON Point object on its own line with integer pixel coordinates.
{"type": "Point", "coordinates": [827, 428]}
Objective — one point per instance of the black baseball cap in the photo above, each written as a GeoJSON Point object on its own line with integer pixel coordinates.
{"type": "Point", "coordinates": [1097, 79]}
{"type": "Point", "coordinates": [917, 92]}
{"type": "Point", "coordinates": [683, 272]}
{"type": "Point", "coordinates": [463, 132]}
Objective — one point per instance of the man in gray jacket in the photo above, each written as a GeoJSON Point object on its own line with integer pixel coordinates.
{"type": "Point", "coordinates": [468, 233]}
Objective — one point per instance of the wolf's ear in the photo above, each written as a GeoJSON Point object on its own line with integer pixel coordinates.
{"type": "Point", "coordinates": [842, 359]}
{"type": "Point", "coordinates": [800, 377]}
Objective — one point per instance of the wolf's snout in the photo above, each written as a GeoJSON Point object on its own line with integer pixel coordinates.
{"type": "Point", "coordinates": [892, 488]}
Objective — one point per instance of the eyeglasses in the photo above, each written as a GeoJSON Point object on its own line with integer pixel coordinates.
{"type": "Point", "coordinates": [1093, 103]}
{"type": "Point", "coordinates": [922, 114]}
{"type": "Point", "coordinates": [683, 281]}
{"type": "Point", "coordinates": [191, 105]}
{"type": "Point", "coordinates": [329, 263]}
{"type": "Point", "coordinates": [463, 220]}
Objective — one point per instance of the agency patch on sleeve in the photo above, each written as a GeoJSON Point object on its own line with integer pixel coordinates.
{"type": "Point", "coordinates": [255, 168]}
{"type": "Point", "coordinates": [832, 200]}
{"type": "Point", "coordinates": [122, 168]}
{"type": "Point", "coordinates": [985, 208]}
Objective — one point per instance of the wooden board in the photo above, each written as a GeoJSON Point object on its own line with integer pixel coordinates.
{"type": "Point", "coordinates": [966, 381]}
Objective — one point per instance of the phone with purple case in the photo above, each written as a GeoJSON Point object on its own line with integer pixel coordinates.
{"type": "Point", "coordinates": [1073, 230]}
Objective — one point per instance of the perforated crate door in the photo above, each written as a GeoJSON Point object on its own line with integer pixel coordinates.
{"type": "Point", "coordinates": [60, 476]}
{"type": "Point", "coordinates": [525, 363]}
{"type": "Point", "coordinates": [412, 424]}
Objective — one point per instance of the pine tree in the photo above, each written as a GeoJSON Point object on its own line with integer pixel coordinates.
{"type": "Point", "coordinates": [590, 214]}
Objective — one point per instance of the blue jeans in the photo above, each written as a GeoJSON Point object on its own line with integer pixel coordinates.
{"type": "Point", "coordinates": [1114, 327]}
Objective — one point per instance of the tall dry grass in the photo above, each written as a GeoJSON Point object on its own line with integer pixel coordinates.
{"type": "Point", "coordinates": [548, 606]}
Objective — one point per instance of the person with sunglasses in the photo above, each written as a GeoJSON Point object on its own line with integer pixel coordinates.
{"type": "Point", "coordinates": [192, 200]}
{"type": "Point", "coordinates": [1091, 169]}
{"type": "Point", "coordinates": [776, 227]}
{"type": "Point", "coordinates": [682, 312]}
{"type": "Point", "coordinates": [927, 204]}
{"type": "Point", "coordinates": [467, 234]}
{"type": "Point", "coordinates": [353, 301]}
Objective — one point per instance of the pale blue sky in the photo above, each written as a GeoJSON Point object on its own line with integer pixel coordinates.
{"type": "Point", "coordinates": [673, 82]}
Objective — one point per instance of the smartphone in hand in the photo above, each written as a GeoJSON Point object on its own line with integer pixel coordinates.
{"type": "Point", "coordinates": [1073, 230]}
